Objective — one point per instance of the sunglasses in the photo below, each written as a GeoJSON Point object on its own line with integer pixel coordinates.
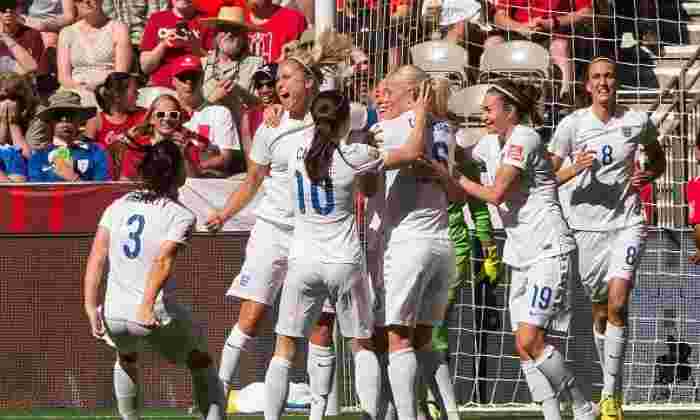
{"type": "Point", "coordinates": [65, 115]}
{"type": "Point", "coordinates": [172, 115]}
{"type": "Point", "coordinates": [269, 84]}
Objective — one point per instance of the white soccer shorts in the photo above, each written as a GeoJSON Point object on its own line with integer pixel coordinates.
{"type": "Point", "coordinates": [310, 283]}
{"type": "Point", "coordinates": [541, 293]}
{"type": "Point", "coordinates": [375, 279]}
{"type": "Point", "coordinates": [174, 340]}
{"type": "Point", "coordinates": [265, 265]}
{"type": "Point", "coordinates": [416, 278]}
{"type": "Point", "coordinates": [607, 255]}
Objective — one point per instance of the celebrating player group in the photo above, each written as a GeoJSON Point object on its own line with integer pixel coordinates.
{"type": "Point", "coordinates": [305, 246]}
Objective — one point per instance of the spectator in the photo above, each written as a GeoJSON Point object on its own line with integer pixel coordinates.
{"type": "Point", "coordinates": [17, 106]}
{"type": "Point", "coordinates": [281, 25]}
{"type": "Point", "coordinates": [170, 35]}
{"type": "Point", "coordinates": [163, 122]}
{"type": "Point", "coordinates": [134, 14]}
{"type": "Point", "coordinates": [213, 122]}
{"type": "Point", "coordinates": [91, 49]}
{"type": "Point", "coordinates": [21, 47]}
{"type": "Point", "coordinates": [117, 99]}
{"type": "Point", "coordinates": [49, 17]}
{"type": "Point", "coordinates": [13, 167]}
{"type": "Point", "coordinates": [229, 68]}
{"type": "Point", "coordinates": [521, 19]}
{"type": "Point", "coordinates": [253, 116]}
{"type": "Point", "coordinates": [70, 158]}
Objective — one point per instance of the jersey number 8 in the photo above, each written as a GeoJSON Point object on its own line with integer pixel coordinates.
{"type": "Point", "coordinates": [323, 210]}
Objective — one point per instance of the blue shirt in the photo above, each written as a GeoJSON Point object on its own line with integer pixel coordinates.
{"type": "Point", "coordinates": [11, 160]}
{"type": "Point", "coordinates": [89, 160]}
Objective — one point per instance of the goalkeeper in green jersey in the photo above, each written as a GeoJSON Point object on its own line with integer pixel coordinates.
{"type": "Point", "coordinates": [459, 232]}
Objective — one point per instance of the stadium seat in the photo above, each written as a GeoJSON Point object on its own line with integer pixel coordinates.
{"type": "Point", "coordinates": [515, 59]}
{"type": "Point", "coordinates": [442, 58]}
{"type": "Point", "coordinates": [466, 104]}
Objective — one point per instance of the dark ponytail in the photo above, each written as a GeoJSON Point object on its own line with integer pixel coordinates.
{"type": "Point", "coordinates": [160, 170]}
{"type": "Point", "coordinates": [331, 112]}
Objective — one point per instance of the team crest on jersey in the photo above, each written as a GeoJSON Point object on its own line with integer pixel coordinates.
{"type": "Point", "coordinates": [83, 165]}
{"type": "Point", "coordinates": [515, 152]}
{"type": "Point", "coordinates": [627, 131]}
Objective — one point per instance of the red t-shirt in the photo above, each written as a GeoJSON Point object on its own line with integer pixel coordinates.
{"type": "Point", "coordinates": [110, 131]}
{"type": "Point", "coordinates": [285, 25]}
{"type": "Point", "coordinates": [158, 27]}
{"type": "Point", "coordinates": [693, 197]}
{"type": "Point", "coordinates": [525, 10]}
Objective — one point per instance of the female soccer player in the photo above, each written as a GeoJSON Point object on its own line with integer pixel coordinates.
{"type": "Point", "coordinates": [419, 258]}
{"type": "Point", "coordinates": [539, 248]}
{"type": "Point", "coordinates": [265, 266]}
{"type": "Point", "coordinates": [141, 233]}
{"type": "Point", "coordinates": [325, 258]}
{"type": "Point", "coordinates": [605, 212]}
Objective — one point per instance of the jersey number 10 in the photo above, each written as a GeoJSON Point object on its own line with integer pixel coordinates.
{"type": "Point", "coordinates": [323, 210]}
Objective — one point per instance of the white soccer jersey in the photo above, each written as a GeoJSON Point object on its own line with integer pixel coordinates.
{"type": "Point", "coordinates": [416, 207]}
{"type": "Point", "coordinates": [275, 146]}
{"type": "Point", "coordinates": [136, 232]}
{"type": "Point", "coordinates": [531, 213]}
{"type": "Point", "coordinates": [325, 226]}
{"type": "Point", "coordinates": [602, 197]}
{"type": "Point", "coordinates": [216, 124]}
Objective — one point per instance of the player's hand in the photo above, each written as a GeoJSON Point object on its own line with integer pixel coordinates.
{"type": "Point", "coordinates": [145, 316]}
{"type": "Point", "coordinates": [436, 169]}
{"type": "Point", "coordinates": [424, 99]}
{"type": "Point", "coordinates": [694, 259]}
{"type": "Point", "coordinates": [492, 264]}
{"type": "Point", "coordinates": [641, 178]}
{"type": "Point", "coordinates": [215, 221]}
{"type": "Point", "coordinates": [376, 137]}
{"type": "Point", "coordinates": [96, 322]}
{"type": "Point", "coordinates": [272, 115]}
{"type": "Point", "coordinates": [584, 160]}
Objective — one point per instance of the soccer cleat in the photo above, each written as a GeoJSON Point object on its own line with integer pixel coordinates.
{"type": "Point", "coordinates": [611, 408]}
{"type": "Point", "coordinates": [591, 412]}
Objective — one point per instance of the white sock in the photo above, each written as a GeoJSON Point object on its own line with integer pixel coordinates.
{"type": "Point", "coordinates": [236, 343]}
{"type": "Point", "coordinates": [541, 390]}
{"type": "Point", "coordinates": [447, 389]}
{"type": "Point", "coordinates": [321, 368]}
{"type": "Point", "coordinates": [368, 381]}
{"type": "Point", "coordinates": [615, 344]}
{"type": "Point", "coordinates": [126, 391]}
{"type": "Point", "coordinates": [599, 340]}
{"type": "Point", "coordinates": [276, 387]}
{"type": "Point", "coordinates": [402, 376]}
{"type": "Point", "coordinates": [386, 409]}
{"type": "Point", "coordinates": [552, 365]}
{"type": "Point", "coordinates": [208, 393]}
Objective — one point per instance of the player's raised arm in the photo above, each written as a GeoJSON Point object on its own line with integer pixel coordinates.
{"type": "Point", "coordinates": [93, 280]}
{"type": "Point", "coordinates": [655, 162]}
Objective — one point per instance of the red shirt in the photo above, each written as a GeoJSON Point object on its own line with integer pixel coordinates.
{"type": "Point", "coordinates": [158, 27]}
{"type": "Point", "coordinates": [284, 25]}
{"type": "Point", "coordinates": [110, 131]}
{"type": "Point", "coordinates": [525, 10]}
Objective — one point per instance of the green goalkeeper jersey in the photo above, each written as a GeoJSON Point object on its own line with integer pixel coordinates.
{"type": "Point", "coordinates": [458, 228]}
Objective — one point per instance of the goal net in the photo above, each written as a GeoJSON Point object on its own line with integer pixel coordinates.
{"type": "Point", "coordinates": [655, 45]}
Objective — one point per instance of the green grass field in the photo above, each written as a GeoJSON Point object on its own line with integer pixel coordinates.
{"type": "Point", "coordinates": [63, 413]}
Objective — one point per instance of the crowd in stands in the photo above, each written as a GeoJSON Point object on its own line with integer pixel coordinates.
{"type": "Point", "coordinates": [79, 79]}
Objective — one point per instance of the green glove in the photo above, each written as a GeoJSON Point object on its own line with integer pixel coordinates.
{"type": "Point", "coordinates": [492, 264]}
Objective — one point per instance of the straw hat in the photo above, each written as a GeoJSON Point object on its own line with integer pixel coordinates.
{"type": "Point", "coordinates": [65, 100]}
{"type": "Point", "coordinates": [231, 18]}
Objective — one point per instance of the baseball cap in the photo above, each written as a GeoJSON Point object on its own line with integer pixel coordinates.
{"type": "Point", "coordinates": [266, 72]}
{"type": "Point", "coordinates": [187, 63]}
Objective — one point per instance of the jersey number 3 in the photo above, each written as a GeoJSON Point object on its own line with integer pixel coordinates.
{"type": "Point", "coordinates": [323, 210]}
{"type": "Point", "coordinates": [133, 249]}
